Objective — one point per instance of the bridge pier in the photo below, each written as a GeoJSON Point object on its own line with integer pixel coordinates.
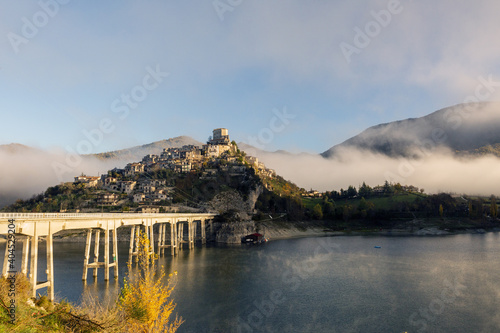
{"type": "Point", "coordinates": [151, 238]}
{"type": "Point", "coordinates": [162, 238]}
{"type": "Point", "coordinates": [33, 276]}
{"type": "Point", "coordinates": [134, 243]}
{"type": "Point", "coordinates": [180, 234]}
{"type": "Point", "coordinates": [95, 265]}
{"type": "Point", "coordinates": [33, 250]}
{"type": "Point", "coordinates": [203, 232]}
{"type": "Point", "coordinates": [191, 228]}
{"type": "Point", "coordinates": [24, 260]}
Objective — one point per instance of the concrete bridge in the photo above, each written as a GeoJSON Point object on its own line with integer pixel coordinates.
{"type": "Point", "coordinates": [31, 226]}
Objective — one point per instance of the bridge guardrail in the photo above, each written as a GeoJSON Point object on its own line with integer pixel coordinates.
{"type": "Point", "coordinates": [84, 215]}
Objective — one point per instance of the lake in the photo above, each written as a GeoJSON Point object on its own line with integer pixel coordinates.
{"type": "Point", "coordinates": [322, 284]}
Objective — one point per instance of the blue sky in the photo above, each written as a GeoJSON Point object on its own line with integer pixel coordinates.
{"type": "Point", "coordinates": [262, 57]}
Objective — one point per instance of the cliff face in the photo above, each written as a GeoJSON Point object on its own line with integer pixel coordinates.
{"type": "Point", "coordinates": [238, 212]}
{"type": "Point", "coordinates": [232, 200]}
{"type": "Point", "coordinates": [232, 232]}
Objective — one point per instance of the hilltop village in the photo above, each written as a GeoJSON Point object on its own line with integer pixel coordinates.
{"type": "Point", "coordinates": [218, 177]}
{"type": "Point", "coordinates": [150, 185]}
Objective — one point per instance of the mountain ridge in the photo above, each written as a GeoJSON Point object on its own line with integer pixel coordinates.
{"type": "Point", "coordinates": [462, 127]}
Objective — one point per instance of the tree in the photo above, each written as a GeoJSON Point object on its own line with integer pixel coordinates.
{"type": "Point", "coordinates": [317, 212]}
{"type": "Point", "coordinates": [351, 192]}
{"type": "Point", "coordinates": [388, 188]}
{"type": "Point", "coordinates": [493, 206]}
{"type": "Point", "coordinates": [365, 190]}
{"type": "Point", "coordinates": [145, 300]}
{"type": "Point", "coordinates": [362, 204]}
{"type": "Point", "coordinates": [329, 210]}
{"type": "Point", "coordinates": [441, 210]}
{"type": "Point", "coordinates": [346, 214]}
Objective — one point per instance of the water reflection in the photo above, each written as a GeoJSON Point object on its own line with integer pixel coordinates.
{"type": "Point", "coordinates": [339, 284]}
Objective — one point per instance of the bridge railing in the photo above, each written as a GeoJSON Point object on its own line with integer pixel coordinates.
{"type": "Point", "coordinates": [86, 215]}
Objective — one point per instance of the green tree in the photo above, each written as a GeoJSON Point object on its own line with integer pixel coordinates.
{"type": "Point", "coordinates": [493, 206]}
{"type": "Point", "coordinates": [351, 191]}
{"type": "Point", "coordinates": [388, 188]}
{"type": "Point", "coordinates": [329, 210]}
{"type": "Point", "coordinates": [365, 190]}
{"type": "Point", "coordinates": [362, 204]}
{"type": "Point", "coordinates": [317, 212]}
{"type": "Point", "coordinates": [346, 214]}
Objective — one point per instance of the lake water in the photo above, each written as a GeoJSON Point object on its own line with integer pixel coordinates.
{"type": "Point", "coordinates": [323, 284]}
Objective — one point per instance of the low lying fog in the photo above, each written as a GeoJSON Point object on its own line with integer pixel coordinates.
{"type": "Point", "coordinates": [439, 171]}
{"type": "Point", "coordinates": [24, 174]}
{"type": "Point", "coordinates": [27, 173]}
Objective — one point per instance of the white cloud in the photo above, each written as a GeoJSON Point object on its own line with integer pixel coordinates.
{"type": "Point", "coordinates": [438, 172]}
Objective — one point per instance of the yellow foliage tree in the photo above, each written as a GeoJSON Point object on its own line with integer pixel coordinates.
{"type": "Point", "coordinates": [145, 299]}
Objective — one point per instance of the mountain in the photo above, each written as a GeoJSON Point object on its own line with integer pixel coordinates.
{"type": "Point", "coordinates": [138, 152]}
{"type": "Point", "coordinates": [16, 148]}
{"type": "Point", "coordinates": [463, 127]}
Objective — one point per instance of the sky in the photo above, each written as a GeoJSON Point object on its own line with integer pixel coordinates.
{"type": "Point", "coordinates": [95, 76]}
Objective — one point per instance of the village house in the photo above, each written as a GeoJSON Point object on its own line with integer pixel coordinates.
{"type": "Point", "coordinates": [378, 189]}
{"type": "Point", "coordinates": [109, 180]}
{"type": "Point", "coordinates": [170, 154]}
{"type": "Point", "coordinates": [108, 199]}
{"type": "Point", "coordinates": [149, 189]}
{"type": "Point", "coordinates": [88, 181]}
{"type": "Point", "coordinates": [134, 168]}
{"type": "Point", "coordinates": [182, 167]}
{"type": "Point", "coordinates": [150, 159]}
{"type": "Point", "coordinates": [190, 153]}
{"type": "Point", "coordinates": [161, 195]}
{"type": "Point", "coordinates": [139, 197]}
{"type": "Point", "coordinates": [253, 161]}
{"type": "Point", "coordinates": [127, 186]}
{"type": "Point", "coordinates": [148, 209]}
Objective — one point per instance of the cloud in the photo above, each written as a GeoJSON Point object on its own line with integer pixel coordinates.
{"type": "Point", "coordinates": [24, 174]}
{"type": "Point", "coordinates": [441, 171]}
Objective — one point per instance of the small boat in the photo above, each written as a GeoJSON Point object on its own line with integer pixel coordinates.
{"type": "Point", "coordinates": [254, 238]}
{"type": "Point", "coordinates": [377, 247]}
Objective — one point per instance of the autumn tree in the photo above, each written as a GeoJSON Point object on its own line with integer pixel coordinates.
{"type": "Point", "coordinates": [145, 299]}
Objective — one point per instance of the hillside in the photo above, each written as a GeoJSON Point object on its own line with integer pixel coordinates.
{"type": "Point", "coordinates": [493, 149]}
{"type": "Point", "coordinates": [457, 128]}
{"type": "Point", "coordinates": [137, 152]}
{"type": "Point", "coordinates": [16, 148]}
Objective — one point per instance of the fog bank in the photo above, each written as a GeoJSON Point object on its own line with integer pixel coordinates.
{"type": "Point", "coordinates": [24, 174]}
{"type": "Point", "coordinates": [439, 171]}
